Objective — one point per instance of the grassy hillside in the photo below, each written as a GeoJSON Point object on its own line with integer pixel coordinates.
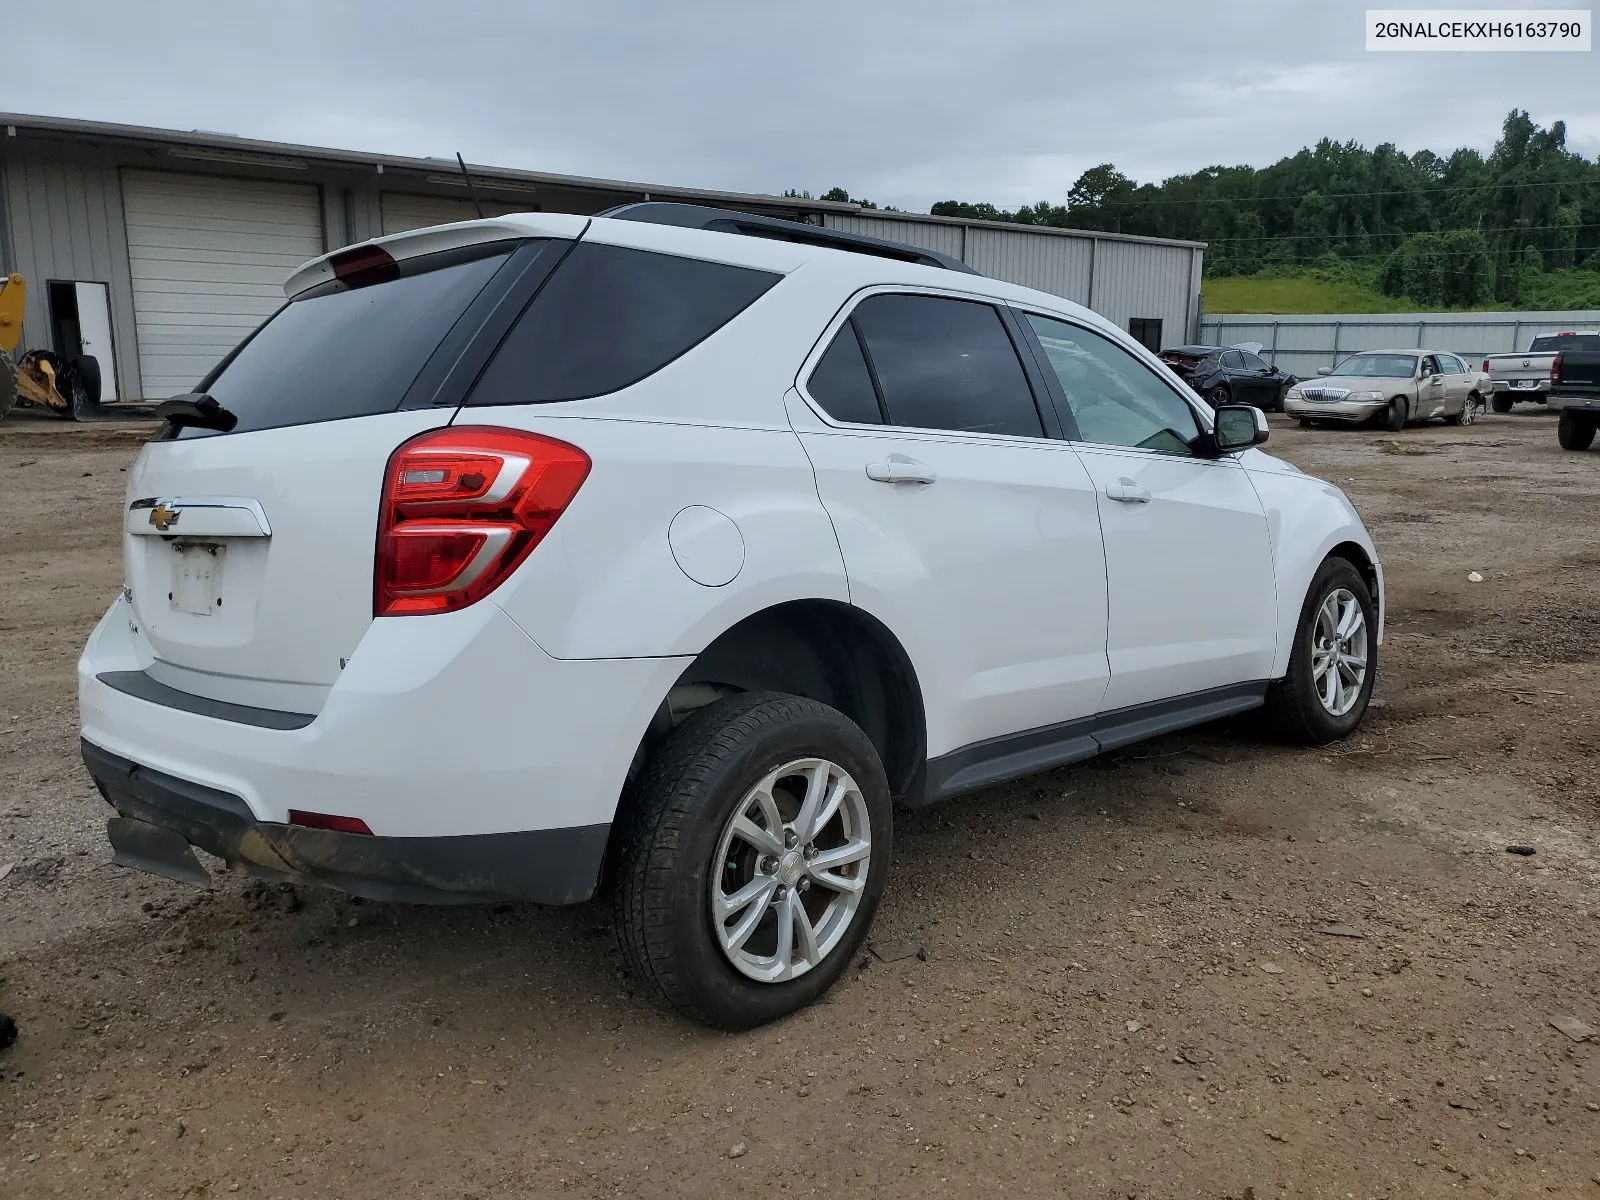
{"type": "Point", "coordinates": [1352, 288]}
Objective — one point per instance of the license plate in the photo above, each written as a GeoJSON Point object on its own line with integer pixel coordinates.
{"type": "Point", "coordinates": [1525, 383]}
{"type": "Point", "coordinates": [197, 577]}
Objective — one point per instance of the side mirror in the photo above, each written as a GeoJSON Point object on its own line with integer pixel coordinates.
{"type": "Point", "coordinates": [1238, 427]}
{"type": "Point", "coordinates": [1324, 370]}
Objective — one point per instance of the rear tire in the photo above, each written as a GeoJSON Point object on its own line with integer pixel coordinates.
{"type": "Point", "coordinates": [1296, 704]}
{"type": "Point", "coordinates": [676, 858]}
{"type": "Point", "coordinates": [1501, 402]}
{"type": "Point", "coordinates": [1219, 396]}
{"type": "Point", "coordinates": [74, 389]}
{"type": "Point", "coordinates": [1394, 417]}
{"type": "Point", "coordinates": [87, 367]}
{"type": "Point", "coordinates": [1576, 430]}
{"type": "Point", "coordinates": [1468, 415]}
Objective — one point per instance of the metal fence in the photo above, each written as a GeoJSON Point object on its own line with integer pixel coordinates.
{"type": "Point", "coordinates": [1300, 343]}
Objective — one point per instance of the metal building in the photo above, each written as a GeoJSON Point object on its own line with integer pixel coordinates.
{"type": "Point", "coordinates": [157, 250]}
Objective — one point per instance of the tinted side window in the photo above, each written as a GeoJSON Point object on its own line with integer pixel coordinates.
{"type": "Point", "coordinates": [1252, 363]}
{"type": "Point", "coordinates": [842, 384]}
{"type": "Point", "coordinates": [1233, 360]}
{"type": "Point", "coordinates": [608, 317]}
{"type": "Point", "coordinates": [1115, 398]}
{"type": "Point", "coordinates": [947, 364]}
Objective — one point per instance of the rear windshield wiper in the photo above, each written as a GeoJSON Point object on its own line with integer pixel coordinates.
{"type": "Point", "coordinates": [197, 409]}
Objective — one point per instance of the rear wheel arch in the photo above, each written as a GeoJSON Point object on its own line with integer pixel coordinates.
{"type": "Point", "coordinates": [824, 650]}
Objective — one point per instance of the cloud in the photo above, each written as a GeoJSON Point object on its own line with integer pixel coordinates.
{"type": "Point", "coordinates": [903, 102]}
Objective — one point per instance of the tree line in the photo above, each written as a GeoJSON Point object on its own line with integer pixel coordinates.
{"type": "Point", "coordinates": [1459, 230]}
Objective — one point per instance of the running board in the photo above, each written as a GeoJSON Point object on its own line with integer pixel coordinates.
{"type": "Point", "coordinates": [999, 760]}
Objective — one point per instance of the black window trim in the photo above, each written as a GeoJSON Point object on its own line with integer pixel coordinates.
{"type": "Point", "coordinates": [1058, 398]}
{"type": "Point", "coordinates": [1021, 345]}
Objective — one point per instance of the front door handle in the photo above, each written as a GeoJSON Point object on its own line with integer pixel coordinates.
{"type": "Point", "coordinates": [1127, 491]}
{"type": "Point", "coordinates": [901, 470]}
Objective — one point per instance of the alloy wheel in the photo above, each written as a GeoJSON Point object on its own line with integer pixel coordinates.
{"type": "Point", "coordinates": [1339, 651]}
{"type": "Point", "coordinates": [790, 870]}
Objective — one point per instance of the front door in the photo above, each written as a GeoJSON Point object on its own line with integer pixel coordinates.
{"type": "Point", "coordinates": [961, 524]}
{"type": "Point", "coordinates": [1190, 583]}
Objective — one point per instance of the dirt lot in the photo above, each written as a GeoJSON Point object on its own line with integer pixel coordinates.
{"type": "Point", "coordinates": [1124, 990]}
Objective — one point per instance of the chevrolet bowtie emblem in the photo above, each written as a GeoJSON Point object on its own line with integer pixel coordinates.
{"type": "Point", "coordinates": [164, 518]}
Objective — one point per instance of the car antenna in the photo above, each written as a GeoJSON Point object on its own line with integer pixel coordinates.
{"type": "Point", "coordinates": [467, 175]}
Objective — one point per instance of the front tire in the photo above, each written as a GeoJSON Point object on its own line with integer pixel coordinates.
{"type": "Point", "coordinates": [1576, 430]}
{"type": "Point", "coordinates": [1394, 417]}
{"type": "Point", "coordinates": [1334, 663]}
{"type": "Point", "coordinates": [756, 848]}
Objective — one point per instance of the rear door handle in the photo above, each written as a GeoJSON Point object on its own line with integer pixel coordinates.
{"type": "Point", "coordinates": [1127, 491]}
{"type": "Point", "coordinates": [901, 470]}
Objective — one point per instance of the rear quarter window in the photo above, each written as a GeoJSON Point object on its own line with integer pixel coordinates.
{"type": "Point", "coordinates": [340, 352]}
{"type": "Point", "coordinates": [610, 316]}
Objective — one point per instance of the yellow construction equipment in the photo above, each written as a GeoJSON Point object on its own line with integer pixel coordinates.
{"type": "Point", "coordinates": [37, 378]}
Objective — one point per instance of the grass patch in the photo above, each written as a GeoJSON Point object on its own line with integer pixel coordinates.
{"type": "Point", "coordinates": [1352, 288]}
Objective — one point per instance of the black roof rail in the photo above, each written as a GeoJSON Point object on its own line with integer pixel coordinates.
{"type": "Point", "coordinates": [724, 220]}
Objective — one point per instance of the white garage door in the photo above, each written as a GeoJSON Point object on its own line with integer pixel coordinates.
{"type": "Point", "coordinates": [209, 257]}
{"type": "Point", "coordinates": [402, 212]}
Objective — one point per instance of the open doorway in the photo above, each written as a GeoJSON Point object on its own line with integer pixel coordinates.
{"type": "Point", "coordinates": [80, 327]}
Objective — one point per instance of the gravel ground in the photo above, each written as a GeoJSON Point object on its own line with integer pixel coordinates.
{"type": "Point", "coordinates": [1137, 975]}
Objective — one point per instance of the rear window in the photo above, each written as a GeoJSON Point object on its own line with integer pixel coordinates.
{"type": "Point", "coordinates": [1582, 343]}
{"type": "Point", "coordinates": [341, 352]}
{"type": "Point", "coordinates": [610, 316]}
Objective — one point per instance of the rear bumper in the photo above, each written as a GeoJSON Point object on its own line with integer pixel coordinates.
{"type": "Point", "coordinates": [549, 866]}
{"type": "Point", "coordinates": [483, 766]}
{"type": "Point", "coordinates": [1568, 402]}
{"type": "Point", "coordinates": [1539, 388]}
{"type": "Point", "coordinates": [1338, 410]}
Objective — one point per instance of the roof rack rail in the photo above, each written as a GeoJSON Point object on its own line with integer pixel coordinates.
{"type": "Point", "coordinates": [723, 220]}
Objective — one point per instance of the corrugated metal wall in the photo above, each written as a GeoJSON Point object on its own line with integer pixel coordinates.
{"type": "Point", "coordinates": [64, 221]}
{"type": "Point", "coordinates": [62, 217]}
{"type": "Point", "coordinates": [1119, 279]}
{"type": "Point", "coordinates": [1301, 343]}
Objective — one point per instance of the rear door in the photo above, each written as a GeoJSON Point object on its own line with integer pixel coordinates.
{"type": "Point", "coordinates": [1458, 381]}
{"type": "Point", "coordinates": [249, 553]}
{"type": "Point", "coordinates": [1263, 381]}
{"type": "Point", "coordinates": [1433, 389]}
{"type": "Point", "coordinates": [962, 524]}
{"type": "Point", "coordinates": [1190, 581]}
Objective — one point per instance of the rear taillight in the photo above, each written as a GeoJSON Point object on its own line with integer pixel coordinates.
{"type": "Point", "coordinates": [462, 507]}
{"type": "Point", "coordinates": [1486, 366]}
{"type": "Point", "coordinates": [1555, 368]}
{"type": "Point", "coordinates": [315, 820]}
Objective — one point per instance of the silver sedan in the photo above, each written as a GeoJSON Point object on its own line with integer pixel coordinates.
{"type": "Point", "coordinates": [1394, 386]}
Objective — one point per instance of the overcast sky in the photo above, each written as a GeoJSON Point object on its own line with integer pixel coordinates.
{"type": "Point", "coordinates": [901, 102]}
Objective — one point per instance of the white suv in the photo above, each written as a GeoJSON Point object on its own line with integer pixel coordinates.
{"type": "Point", "coordinates": [663, 553]}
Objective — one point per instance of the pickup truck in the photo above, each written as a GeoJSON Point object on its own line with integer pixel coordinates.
{"type": "Point", "coordinates": [1514, 377]}
{"type": "Point", "coordinates": [1575, 393]}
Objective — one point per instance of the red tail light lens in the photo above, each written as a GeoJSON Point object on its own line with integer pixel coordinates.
{"type": "Point", "coordinates": [1486, 366]}
{"type": "Point", "coordinates": [462, 507]}
{"type": "Point", "coordinates": [1555, 368]}
{"type": "Point", "coordinates": [312, 820]}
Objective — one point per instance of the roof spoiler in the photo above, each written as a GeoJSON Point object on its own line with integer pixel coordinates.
{"type": "Point", "coordinates": [723, 220]}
